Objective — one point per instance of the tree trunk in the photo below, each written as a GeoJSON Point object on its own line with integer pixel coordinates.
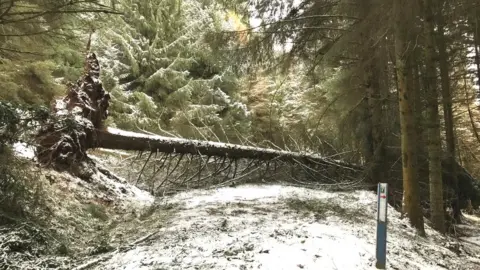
{"type": "Point", "coordinates": [375, 134]}
{"type": "Point", "coordinates": [371, 67]}
{"type": "Point", "coordinates": [131, 141]}
{"type": "Point", "coordinates": [410, 183]}
{"type": "Point", "coordinates": [78, 126]}
{"type": "Point", "coordinates": [414, 83]}
{"type": "Point", "coordinates": [419, 110]}
{"type": "Point", "coordinates": [408, 136]}
{"type": "Point", "coordinates": [447, 110]}
{"type": "Point", "coordinates": [433, 123]}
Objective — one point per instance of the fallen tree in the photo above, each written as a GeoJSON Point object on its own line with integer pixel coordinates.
{"type": "Point", "coordinates": [78, 126]}
{"type": "Point", "coordinates": [123, 140]}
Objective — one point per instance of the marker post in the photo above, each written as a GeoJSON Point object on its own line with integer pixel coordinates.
{"type": "Point", "coordinates": [381, 253]}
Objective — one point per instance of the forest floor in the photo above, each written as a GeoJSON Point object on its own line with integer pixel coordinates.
{"type": "Point", "coordinates": [282, 227]}
{"type": "Point", "coordinates": [109, 224]}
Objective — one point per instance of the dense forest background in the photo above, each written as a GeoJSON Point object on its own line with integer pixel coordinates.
{"type": "Point", "coordinates": [370, 82]}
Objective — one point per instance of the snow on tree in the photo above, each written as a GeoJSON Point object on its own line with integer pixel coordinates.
{"type": "Point", "coordinates": [163, 52]}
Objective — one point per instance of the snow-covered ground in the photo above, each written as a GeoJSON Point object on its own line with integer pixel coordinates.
{"type": "Point", "coordinates": [281, 227]}
{"type": "Point", "coordinates": [24, 150]}
{"type": "Point", "coordinates": [246, 227]}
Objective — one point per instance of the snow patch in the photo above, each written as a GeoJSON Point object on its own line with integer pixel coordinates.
{"type": "Point", "coordinates": [24, 150]}
{"type": "Point", "coordinates": [116, 152]}
{"type": "Point", "coordinates": [127, 192]}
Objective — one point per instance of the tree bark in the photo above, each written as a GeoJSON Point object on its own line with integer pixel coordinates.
{"type": "Point", "coordinates": [410, 183]}
{"type": "Point", "coordinates": [433, 122]}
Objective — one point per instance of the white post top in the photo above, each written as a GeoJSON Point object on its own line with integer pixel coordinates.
{"type": "Point", "coordinates": [382, 204]}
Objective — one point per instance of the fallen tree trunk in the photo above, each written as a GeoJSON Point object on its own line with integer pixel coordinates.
{"type": "Point", "coordinates": [224, 163]}
{"type": "Point", "coordinates": [78, 126]}
{"type": "Point", "coordinates": [124, 140]}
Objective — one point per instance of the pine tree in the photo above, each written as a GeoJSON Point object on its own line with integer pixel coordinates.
{"type": "Point", "coordinates": [160, 52]}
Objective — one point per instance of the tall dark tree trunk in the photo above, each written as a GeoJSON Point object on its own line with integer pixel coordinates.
{"type": "Point", "coordinates": [372, 64]}
{"type": "Point", "coordinates": [433, 122]}
{"type": "Point", "coordinates": [419, 109]}
{"type": "Point", "coordinates": [411, 189]}
{"type": "Point", "coordinates": [447, 108]}
{"type": "Point", "coordinates": [375, 126]}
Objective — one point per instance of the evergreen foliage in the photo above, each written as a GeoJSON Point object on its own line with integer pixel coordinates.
{"type": "Point", "coordinates": [166, 73]}
{"type": "Point", "coordinates": [39, 46]}
{"type": "Point", "coordinates": [18, 192]}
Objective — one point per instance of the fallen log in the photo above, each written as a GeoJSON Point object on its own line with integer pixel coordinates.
{"type": "Point", "coordinates": [111, 138]}
{"type": "Point", "coordinates": [78, 126]}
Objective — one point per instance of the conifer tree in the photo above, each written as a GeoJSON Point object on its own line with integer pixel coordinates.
{"type": "Point", "coordinates": [433, 120]}
{"type": "Point", "coordinates": [163, 62]}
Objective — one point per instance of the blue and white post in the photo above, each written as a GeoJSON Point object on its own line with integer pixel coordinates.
{"type": "Point", "coordinates": [382, 226]}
